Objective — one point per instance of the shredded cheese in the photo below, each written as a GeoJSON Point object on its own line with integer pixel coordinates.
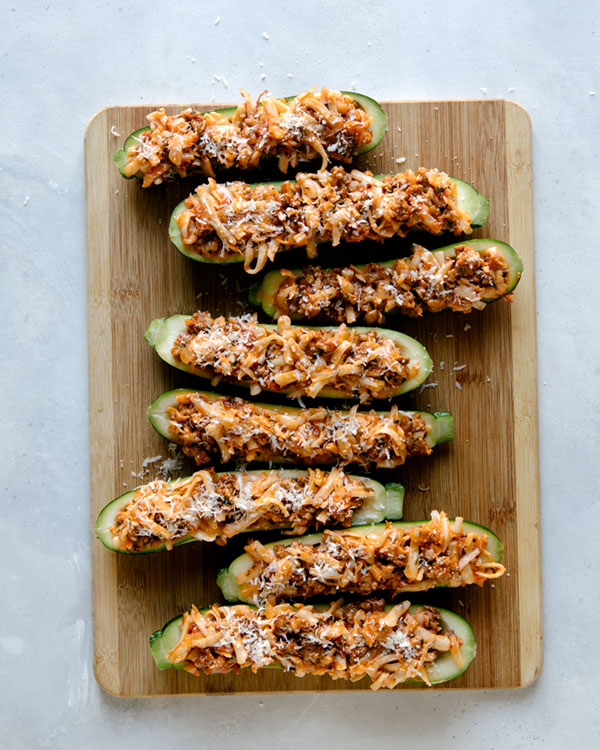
{"type": "Point", "coordinates": [226, 428]}
{"type": "Point", "coordinates": [417, 558]}
{"type": "Point", "coordinates": [317, 123]}
{"type": "Point", "coordinates": [344, 641]}
{"type": "Point", "coordinates": [222, 220]}
{"type": "Point", "coordinates": [300, 361]}
{"type": "Point", "coordinates": [424, 281]}
{"type": "Point", "coordinates": [215, 507]}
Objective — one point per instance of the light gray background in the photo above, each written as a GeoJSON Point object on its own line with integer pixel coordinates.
{"type": "Point", "coordinates": [61, 62]}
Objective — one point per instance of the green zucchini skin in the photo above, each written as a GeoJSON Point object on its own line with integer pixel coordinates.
{"type": "Point", "coordinates": [442, 423]}
{"type": "Point", "coordinates": [262, 294]}
{"type": "Point", "coordinates": [227, 578]}
{"type": "Point", "coordinates": [162, 333]}
{"type": "Point", "coordinates": [443, 669]}
{"type": "Point", "coordinates": [469, 200]}
{"type": "Point", "coordinates": [378, 128]}
{"type": "Point", "coordinates": [387, 504]}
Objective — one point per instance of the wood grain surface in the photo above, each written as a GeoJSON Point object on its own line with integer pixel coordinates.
{"type": "Point", "coordinates": [489, 474]}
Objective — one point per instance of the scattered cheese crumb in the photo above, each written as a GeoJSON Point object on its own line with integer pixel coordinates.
{"type": "Point", "coordinates": [353, 85]}
{"type": "Point", "coordinates": [592, 93]}
{"type": "Point", "coordinates": [462, 604]}
{"type": "Point", "coordinates": [428, 385]}
{"type": "Point", "coordinates": [458, 385]}
{"type": "Point", "coordinates": [399, 129]}
{"type": "Point", "coordinates": [488, 380]}
{"type": "Point", "coordinates": [263, 76]}
{"type": "Point", "coordinates": [261, 65]}
{"type": "Point", "coordinates": [483, 91]}
{"type": "Point", "coordinates": [224, 81]}
{"type": "Point", "coordinates": [511, 88]}
{"type": "Point", "coordinates": [217, 20]}
{"type": "Point", "coordinates": [27, 199]}
{"type": "Point", "coordinates": [173, 463]}
{"type": "Point", "coordinates": [170, 465]}
{"type": "Point", "coordinates": [467, 327]}
{"type": "Point", "coordinates": [114, 131]}
{"type": "Point", "coordinates": [116, 192]}
{"type": "Point", "coordinates": [449, 335]}
{"type": "Point", "coordinates": [290, 75]}
{"type": "Point", "coordinates": [436, 108]}
{"type": "Point", "coordinates": [458, 367]}
{"type": "Point", "coordinates": [401, 160]}
{"type": "Point", "coordinates": [121, 463]}
{"type": "Point", "coordinates": [423, 489]}
{"type": "Point", "coordinates": [441, 364]}
{"type": "Point", "coordinates": [265, 35]}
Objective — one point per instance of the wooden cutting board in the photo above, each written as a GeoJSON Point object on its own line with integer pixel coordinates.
{"type": "Point", "coordinates": [488, 475]}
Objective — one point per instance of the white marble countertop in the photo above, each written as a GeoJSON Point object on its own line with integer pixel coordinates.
{"type": "Point", "coordinates": [61, 62]}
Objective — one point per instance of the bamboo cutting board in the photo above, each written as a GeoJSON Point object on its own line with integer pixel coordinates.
{"type": "Point", "coordinates": [488, 475]}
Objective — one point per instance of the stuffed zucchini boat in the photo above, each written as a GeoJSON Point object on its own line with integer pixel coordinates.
{"type": "Point", "coordinates": [234, 222]}
{"type": "Point", "coordinates": [392, 558]}
{"type": "Point", "coordinates": [210, 427]}
{"type": "Point", "coordinates": [459, 277]}
{"type": "Point", "coordinates": [316, 124]}
{"type": "Point", "coordinates": [332, 362]}
{"type": "Point", "coordinates": [389, 643]}
{"type": "Point", "coordinates": [210, 506]}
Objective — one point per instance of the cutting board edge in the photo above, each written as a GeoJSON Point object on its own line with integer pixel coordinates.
{"type": "Point", "coordinates": [525, 394]}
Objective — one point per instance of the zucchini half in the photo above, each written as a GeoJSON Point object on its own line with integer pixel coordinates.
{"type": "Point", "coordinates": [162, 333]}
{"type": "Point", "coordinates": [262, 294]}
{"type": "Point", "coordinates": [378, 127]}
{"type": "Point", "coordinates": [443, 669]}
{"type": "Point", "coordinates": [442, 423]}
{"type": "Point", "coordinates": [386, 503]}
{"type": "Point", "coordinates": [469, 200]}
{"type": "Point", "coordinates": [227, 579]}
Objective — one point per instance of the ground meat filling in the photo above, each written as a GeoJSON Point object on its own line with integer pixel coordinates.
{"type": "Point", "coordinates": [347, 641]}
{"type": "Point", "coordinates": [431, 281]}
{"type": "Point", "coordinates": [224, 220]}
{"type": "Point", "coordinates": [214, 507]}
{"type": "Point", "coordinates": [231, 428]}
{"type": "Point", "coordinates": [303, 361]}
{"type": "Point", "coordinates": [437, 553]}
{"type": "Point", "coordinates": [321, 124]}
